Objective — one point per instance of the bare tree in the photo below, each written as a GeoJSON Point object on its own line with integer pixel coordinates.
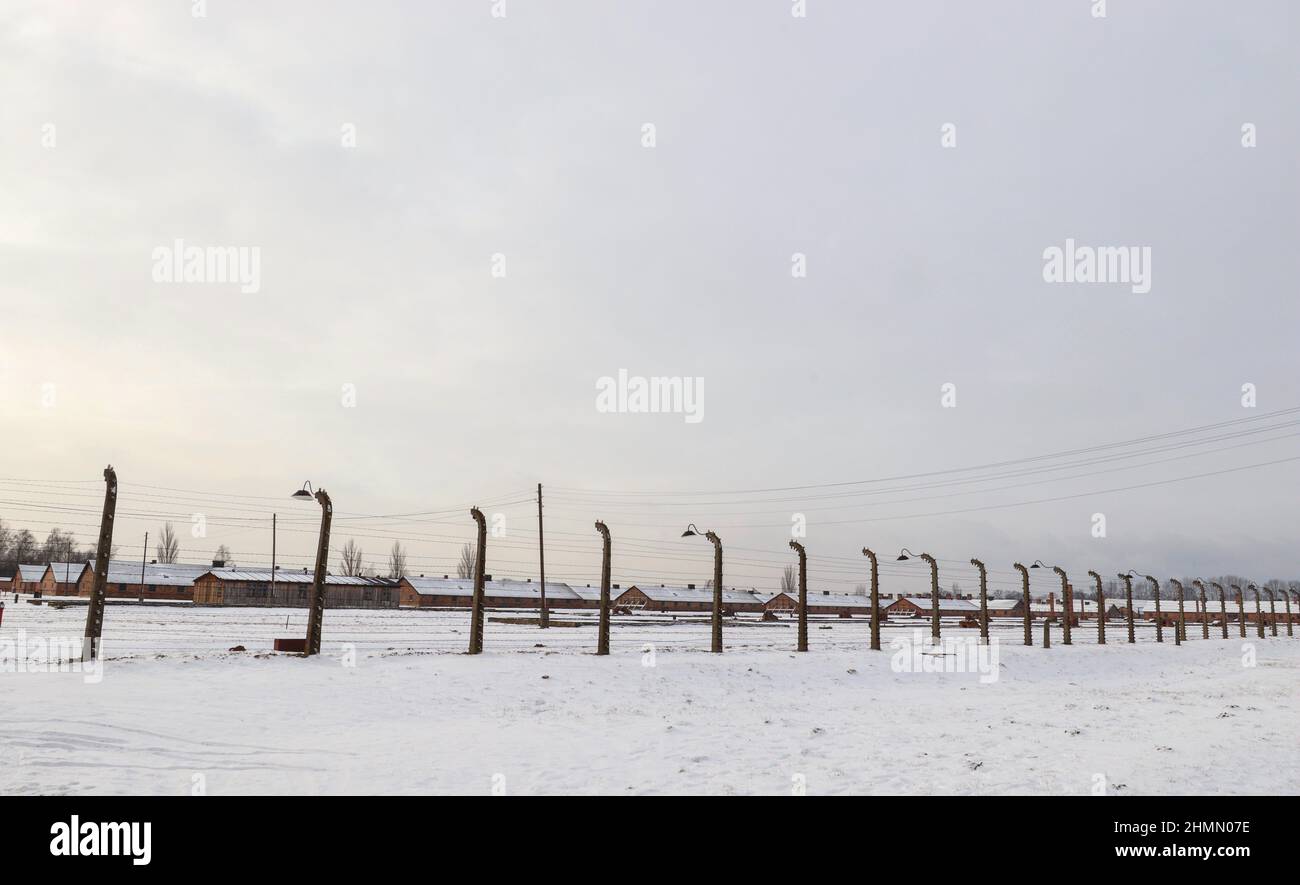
{"type": "Point", "coordinates": [222, 554]}
{"type": "Point", "coordinates": [859, 589]}
{"type": "Point", "coordinates": [789, 582]}
{"type": "Point", "coordinates": [397, 561]}
{"type": "Point", "coordinates": [59, 547]}
{"type": "Point", "coordinates": [168, 547]}
{"type": "Point", "coordinates": [23, 548]}
{"type": "Point", "coordinates": [468, 560]}
{"type": "Point", "coordinates": [350, 561]}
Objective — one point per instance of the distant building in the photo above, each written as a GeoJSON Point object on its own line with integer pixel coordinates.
{"type": "Point", "coordinates": [27, 579]}
{"type": "Point", "coordinates": [151, 580]}
{"type": "Point", "coordinates": [646, 597]}
{"type": "Point", "coordinates": [922, 607]}
{"type": "Point", "coordinates": [448, 592]}
{"type": "Point", "coordinates": [61, 578]}
{"type": "Point", "coordinates": [233, 586]}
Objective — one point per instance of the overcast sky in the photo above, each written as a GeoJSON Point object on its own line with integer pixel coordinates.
{"type": "Point", "coordinates": [124, 126]}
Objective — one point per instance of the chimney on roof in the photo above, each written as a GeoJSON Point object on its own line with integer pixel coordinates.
{"type": "Point", "coordinates": [826, 593]}
{"type": "Point", "coordinates": [444, 577]}
{"type": "Point", "coordinates": [218, 563]}
{"type": "Point", "coordinates": [615, 586]}
{"type": "Point", "coordinates": [153, 562]}
{"type": "Point", "coordinates": [487, 577]}
{"type": "Point", "coordinates": [688, 586]}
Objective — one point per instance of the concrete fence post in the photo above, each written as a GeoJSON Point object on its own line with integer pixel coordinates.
{"type": "Point", "coordinates": [1047, 634]}
{"type": "Point", "coordinates": [803, 594]}
{"type": "Point", "coordinates": [1241, 610]}
{"type": "Point", "coordinates": [1024, 600]}
{"type": "Point", "coordinates": [1205, 612]}
{"type": "Point", "coordinates": [984, 601]}
{"type": "Point", "coordinates": [1272, 610]}
{"type": "Point", "coordinates": [1160, 621]}
{"type": "Point", "coordinates": [480, 566]}
{"type": "Point", "coordinates": [602, 634]}
{"type": "Point", "coordinates": [875, 599]}
{"type": "Point", "coordinates": [1101, 609]}
{"type": "Point", "coordinates": [1067, 604]}
{"type": "Point", "coordinates": [1128, 604]}
{"type": "Point", "coordinates": [1259, 612]}
{"type": "Point", "coordinates": [1182, 620]}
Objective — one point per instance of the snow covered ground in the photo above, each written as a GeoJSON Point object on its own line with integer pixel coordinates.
{"type": "Point", "coordinates": [392, 707]}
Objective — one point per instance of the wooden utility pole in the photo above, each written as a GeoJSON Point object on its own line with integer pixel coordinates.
{"type": "Point", "coordinates": [875, 600]}
{"type": "Point", "coordinates": [545, 619]}
{"type": "Point", "coordinates": [143, 557]}
{"type": "Point", "coordinates": [984, 601]}
{"type": "Point", "coordinates": [316, 612]}
{"type": "Point", "coordinates": [1101, 609]}
{"type": "Point", "coordinates": [803, 594]}
{"type": "Point", "coordinates": [480, 566]}
{"type": "Point", "coordinates": [99, 581]}
{"type": "Point", "coordinates": [273, 517]}
{"type": "Point", "coordinates": [1029, 614]}
{"type": "Point", "coordinates": [602, 635]}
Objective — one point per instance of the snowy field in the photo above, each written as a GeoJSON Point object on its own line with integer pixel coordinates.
{"type": "Point", "coordinates": [393, 707]}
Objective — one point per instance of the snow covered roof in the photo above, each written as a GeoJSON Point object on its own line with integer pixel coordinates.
{"type": "Point", "coordinates": [944, 604]}
{"type": "Point", "coordinates": [170, 574]}
{"type": "Point", "coordinates": [588, 593]}
{"type": "Point", "coordinates": [67, 571]}
{"type": "Point", "coordinates": [504, 588]}
{"type": "Point", "coordinates": [697, 594]}
{"type": "Point", "coordinates": [29, 573]}
{"type": "Point", "coordinates": [840, 600]}
{"type": "Point", "coordinates": [298, 577]}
